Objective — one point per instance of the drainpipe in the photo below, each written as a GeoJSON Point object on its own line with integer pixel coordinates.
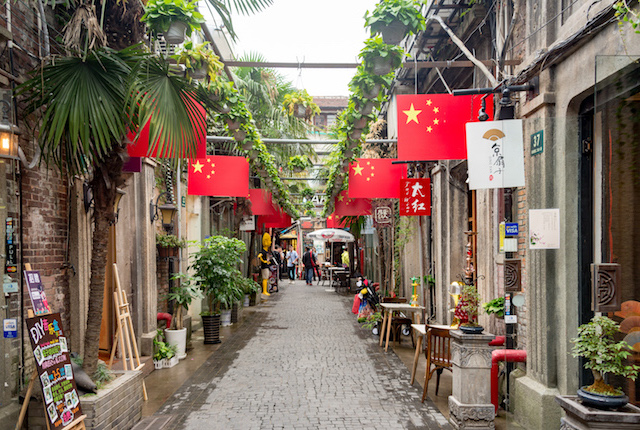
{"type": "Point", "coordinates": [509, 356]}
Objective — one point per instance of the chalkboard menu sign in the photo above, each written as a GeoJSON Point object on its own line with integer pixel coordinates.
{"type": "Point", "coordinates": [54, 369]}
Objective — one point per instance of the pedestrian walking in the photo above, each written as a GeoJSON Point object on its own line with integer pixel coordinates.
{"type": "Point", "coordinates": [309, 260]}
{"type": "Point", "coordinates": [292, 260]}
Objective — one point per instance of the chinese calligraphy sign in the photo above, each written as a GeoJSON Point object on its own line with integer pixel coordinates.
{"type": "Point", "coordinates": [415, 197]}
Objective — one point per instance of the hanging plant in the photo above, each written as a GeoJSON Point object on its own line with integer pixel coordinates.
{"type": "Point", "coordinates": [307, 193]}
{"type": "Point", "coordinates": [395, 19]}
{"type": "Point", "coordinates": [159, 15]}
{"type": "Point", "coordinates": [301, 105]}
{"type": "Point", "coordinates": [199, 61]}
{"type": "Point", "coordinates": [379, 58]}
{"type": "Point", "coordinates": [299, 163]}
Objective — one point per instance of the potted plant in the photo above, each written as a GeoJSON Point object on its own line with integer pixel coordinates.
{"type": "Point", "coordinates": [199, 61]}
{"type": "Point", "coordinates": [249, 287]}
{"type": "Point", "coordinates": [168, 245]}
{"type": "Point", "coordinates": [394, 19]}
{"type": "Point", "coordinates": [467, 310]}
{"type": "Point", "coordinates": [215, 267]}
{"type": "Point", "coordinates": [379, 58]}
{"type": "Point", "coordinates": [184, 291]}
{"type": "Point", "coordinates": [163, 353]}
{"type": "Point", "coordinates": [495, 307]}
{"type": "Point", "coordinates": [299, 163]}
{"type": "Point", "coordinates": [596, 343]}
{"type": "Point", "coordinates": [173, 18]}
{"type": "Point", "coordinates": [301, 105]}
{"type": "Point", "coordinates": [307, 193]}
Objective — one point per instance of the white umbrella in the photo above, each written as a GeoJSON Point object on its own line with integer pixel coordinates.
{"type": "Point", "coordinates": [331, 235]}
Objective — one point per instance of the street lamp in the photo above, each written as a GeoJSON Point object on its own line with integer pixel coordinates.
{"type": "Point", "coordinates": [8, 133]}
{"type": "Point", "coordinates": [167, 211]}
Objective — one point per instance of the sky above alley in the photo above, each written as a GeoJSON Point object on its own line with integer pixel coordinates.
{"type": "Point", "coordinates": [329, 31]}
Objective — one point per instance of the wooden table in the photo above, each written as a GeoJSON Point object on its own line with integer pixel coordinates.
{"type": "Point", "coordinates": [421, 330]}
{"type": "Point", "coordinates": [389, 309]}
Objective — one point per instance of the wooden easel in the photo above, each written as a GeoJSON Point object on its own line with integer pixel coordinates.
{"type": "Point", "coordinates": [125, 333]}
{"type": "Point", "coordinates": [77, 424]}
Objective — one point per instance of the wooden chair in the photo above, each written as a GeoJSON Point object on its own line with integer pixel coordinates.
{"type": "Point", "coordinates": [397, 321]}
{"type": "Point", "coordinates": [438, 352]}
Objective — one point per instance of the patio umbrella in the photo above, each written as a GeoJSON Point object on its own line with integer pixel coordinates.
{"type": "Point", "coordinates": [331, 235]}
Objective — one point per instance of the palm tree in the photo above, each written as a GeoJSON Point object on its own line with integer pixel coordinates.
{"type": "Point", "coordinates": [86, 103]}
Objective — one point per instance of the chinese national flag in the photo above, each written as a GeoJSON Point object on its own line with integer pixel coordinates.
{"type": "Point", "coordinates": [335, 221]}
{"type": "Point", "coordinates": [432, 126]}
{"type": "Point", "coordinates": [375, 178]}
{"type": "Point", "coordinates": [219, 175]}
{"type": "Point", "coordinates": [141, 148]}
{"type": "Point", "coordinates": [261, 202]}
{"type": "Point", "coordinates": [346, 206]}
{"type": "Point", "coordinates": [415, 197]}
{"type": "Point", "coordinates": [280, 219]}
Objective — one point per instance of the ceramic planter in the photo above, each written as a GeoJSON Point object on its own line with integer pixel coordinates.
{"type": "Point", "coordinates": [367, 108]}
{"type": "Point", "coordinates": [601, 401]}
{"type": "Point", "coordinates": [471, 330]}
{"type": "Point", "coordinates": [348, 153]}
{"type": "Point", "coordinates": [239, 135]}
{"type": "Point", "coordinates": [253, 154]}
{"type": "Point", "coordinates": [360, 123]}
{"type": "Point", "coordinates": [247, 145]}
{"type": "Point", "coordinates": [299, 111]}
{"type": "Point", "coordinates": [225, 109]}
{"type": "Point", "coordinates": [211, 327]}
{"type": "Point", "coordinates": [393, 33]}
{"type": "Point", "coordinates": [247, 301]}
{"type": "Point", "coordinates": [225, 318]}
{"type": "Point", "coordinates": [380, 66]}
{"type": "Point", "coordinates": [199, 73]}
{"type": "Point", "coordinates": [373, 92]}
{"type": "Point", "coordinates": [179, 339]}
{"type": "Point", "coordinates": [176, 33]}
{"type": "Point", "coordinates": [355, 135]}
{"type": "Point", "coordinates": [233, 125]}
{"type": "Point", "coordinates": [235, 312]}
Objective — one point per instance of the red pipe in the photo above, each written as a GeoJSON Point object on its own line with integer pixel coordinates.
{"type": "Point", "coordinates": [498, 355]}
{"type": "Point", "coordinates": [166, 317]}
{"type": "Point", "coordinates": [498, 341]}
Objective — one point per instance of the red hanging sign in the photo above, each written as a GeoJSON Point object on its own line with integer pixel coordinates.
{"type": "Point", "coordinates": [415, 197]}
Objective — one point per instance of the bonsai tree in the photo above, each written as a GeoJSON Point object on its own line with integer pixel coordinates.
{"type": "Point", "coordinates": [405, 14]}
{"type": "Point", "coordinates": [159, 14]}
{"type": "Point", "coordinates": [215, 264]}
{"type": "Point", "coordinates": [467, 308]}
{"type": "Point", "coordinates": [300, 104]}
{"type": "Point", "coordinates": [495, 306]}
{"type": "Point", "coordinates": [182, 295]}
{"type": "Point", "coordinates": [595, 342]}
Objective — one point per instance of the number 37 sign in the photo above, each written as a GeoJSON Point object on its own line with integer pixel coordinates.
{"type": "Point", "coordinates": [415, 197]}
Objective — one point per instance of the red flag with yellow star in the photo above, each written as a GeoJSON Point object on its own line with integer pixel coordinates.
{"type": "Point", "coordinates": [376, 178]}
{"type": "Point", "coordinates": [432, 126]}
{"type": "Point", "coordinates": [349, 206]}
{"type": "Point", "coordinates": [219, 175]}
{"type": "Point", "coordinates": [261, 202]}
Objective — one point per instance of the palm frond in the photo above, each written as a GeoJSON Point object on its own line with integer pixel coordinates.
{"type": "Point", "coordinates": [248, 7]}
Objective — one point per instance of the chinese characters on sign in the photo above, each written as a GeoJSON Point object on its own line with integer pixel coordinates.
{"type": "Point", "coordinates": [495, 154]}
{"type": "Point", "coordinates": [36, 292]}
{"type": "Point", "coordinates": [544, 228]}
{"type": "Point", "coordinates": [415, 197]}
{"type": "Point", "coordinates": [382, 217]}
{"type": "Point", "coordinates": [51, 352]}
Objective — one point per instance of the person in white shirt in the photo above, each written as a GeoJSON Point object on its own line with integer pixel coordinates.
{"type": "Point", "coordinates": [292, 260]}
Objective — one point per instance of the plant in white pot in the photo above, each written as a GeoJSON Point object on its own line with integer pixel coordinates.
{"type": "Point", "coordinates": [173, 18]}
{"type": "Point", "coordinates": [603, 355]}
{"type": "Point", "coordinates": [395, 19]}
{"type": "Point", "coordinates": [184, 291]}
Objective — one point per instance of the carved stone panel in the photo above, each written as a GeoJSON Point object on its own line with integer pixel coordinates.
{"type": "Point", "coordinates": [512, 275]}
{"type": "Point", "coordinates": [605, 289]}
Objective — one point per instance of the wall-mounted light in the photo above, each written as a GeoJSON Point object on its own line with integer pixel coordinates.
{"type": "Point", "coordinates": [116, 204]}
{"type": "Point", "coordinates": [8, 133]}
{"type": "Point", "coordinates": [167, 212]}
{"type": "Point", "coordinates": [87, 197]}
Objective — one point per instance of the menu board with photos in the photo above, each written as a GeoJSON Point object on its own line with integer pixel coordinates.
{"type": "Point", "coordinates": [36, 292]}
{"type": "Point", "coordinates": [53, 363]}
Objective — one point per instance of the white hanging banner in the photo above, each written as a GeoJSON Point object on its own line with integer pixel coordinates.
{"type": "Point", "coordinates": [495, 156]}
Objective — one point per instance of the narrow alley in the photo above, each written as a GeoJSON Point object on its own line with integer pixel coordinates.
{"type": "Point", "coordinates": [300, 361]}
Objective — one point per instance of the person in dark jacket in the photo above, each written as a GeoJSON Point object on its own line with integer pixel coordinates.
{"type": "Point", "coordinates": [309, 261]}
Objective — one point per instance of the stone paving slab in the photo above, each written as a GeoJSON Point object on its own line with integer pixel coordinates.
{"type": "Point", "coordinates": [301, 361]}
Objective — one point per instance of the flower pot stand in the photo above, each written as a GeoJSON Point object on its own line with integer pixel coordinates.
{"type": "Point", "coordinates": [581, 417]}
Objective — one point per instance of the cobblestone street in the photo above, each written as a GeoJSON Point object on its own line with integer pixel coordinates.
{"type": "Point", "coordinates": [300, 361]}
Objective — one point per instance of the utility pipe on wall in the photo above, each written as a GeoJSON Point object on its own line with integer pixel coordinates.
{"type": "Point", "coordinates": [509, 356]}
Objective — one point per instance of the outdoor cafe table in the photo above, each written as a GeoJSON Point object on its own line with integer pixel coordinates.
{"type": "Point", "coordinates": [389, 309]}
{"type": "Point", "coordinates": [421, 330]}
{"type": "Point", "coordinates": [332, 270]}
